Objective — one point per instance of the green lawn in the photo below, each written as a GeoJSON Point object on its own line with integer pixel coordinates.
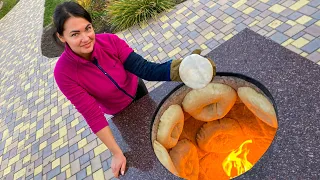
{"type": "Point", "coordinates": [50, 5]}
{"type": "Point", "coordinates": [7, 6]}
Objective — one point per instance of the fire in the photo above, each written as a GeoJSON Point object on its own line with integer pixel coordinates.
{"type": "Point", "coordinates": [241, 165]}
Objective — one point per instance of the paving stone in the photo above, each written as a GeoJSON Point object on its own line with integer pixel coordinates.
{"type": "Point", "coordinates": [297, 36]}
{"type": "Point", "coordinates": [307, 10]}
{"type": "Point", "coordinates": [279, 37]}
{"type": "Point", "coordinates": [254, 13]}
{"type": "Point", "coordinates": [265, 21]}
{"type": "Point", "coordinates": [316, 15]}
{"type": "Point", "coordinates": [272, 2]}
{"type": "Point", "coordinates": [78, 153]}
{"type": "Point", "coordinates": [96, 163]}
{"type": "Point", "coordinates": [314, 3]}
{"type": "Point", "coordinates": [262, 7]}
{"type": "Point", "coordinates": [314, 57]}
{"type": "Point", "coordinates": [262, 32]}
{"type": "Point", "coordinates": [230, 11]}
{"type": "Point", "coordinates": [108, 174]}
{"type": "Point", "coordinates": [75, 166]}
{"type": "Point", "coordinates": [81, 174]}
{"type": "Point", "coordinates": [312, 46]}
{"type": "Point", "coordinates": [294, 30]}
{"type": "Point", "coordinates": [313, 30]}
{"type": "Point", "coordinates": [84, 158]}
{"type": "Point", "coordinates": [54, 172]}
{"type": "Point", "coordinates": [283, 27]}
{"type": "Point", "coordinates": [295, 15]}
{"type": "Point", "coordinates": [265, 13]}
{"type": "Point", "coordinates": [61, 176]}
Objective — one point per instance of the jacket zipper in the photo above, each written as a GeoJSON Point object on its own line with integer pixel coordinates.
{"type": "Point", "coordinates": [95, 62]}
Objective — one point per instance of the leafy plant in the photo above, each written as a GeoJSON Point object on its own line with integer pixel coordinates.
{"type": "Point", "coordinates": [126, 13]}
{"type": "Point", "coordinates": [7, 5]}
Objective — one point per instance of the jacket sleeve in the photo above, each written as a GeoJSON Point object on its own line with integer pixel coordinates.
{"type": "Point", "coordinates": [82, 101]}
{"type": "Point", "coordinates": [147, 70]}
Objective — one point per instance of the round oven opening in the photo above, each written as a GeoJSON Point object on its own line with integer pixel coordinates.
{"type": "Point", "coordinates": [218, 132]}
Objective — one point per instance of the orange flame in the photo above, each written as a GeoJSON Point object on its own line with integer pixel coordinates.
{"type": "Point", "coordinates": [232, 160]}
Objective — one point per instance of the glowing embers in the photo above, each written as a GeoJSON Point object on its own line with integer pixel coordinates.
{"type": "Point", "coordinates": [230, 141]}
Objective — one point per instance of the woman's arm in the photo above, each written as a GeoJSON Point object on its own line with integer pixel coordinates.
{"type": "Point", "coordinates": [147, 70]}
{"type": "Point", "coordinates": [90, 110]}
{"type": "Point", "coordinates": [118, 161]}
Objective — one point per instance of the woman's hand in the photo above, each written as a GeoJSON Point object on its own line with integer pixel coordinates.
{"type": "Point", "coordinates": [118, 164]}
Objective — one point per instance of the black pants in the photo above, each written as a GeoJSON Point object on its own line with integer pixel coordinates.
{"type": "Point", "coordinates": [141, 91]}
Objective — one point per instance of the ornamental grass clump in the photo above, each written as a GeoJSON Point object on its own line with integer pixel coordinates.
{"type": "Point", "coordinates": [126, 13]}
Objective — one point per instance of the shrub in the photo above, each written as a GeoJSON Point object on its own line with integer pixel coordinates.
{"type": "Point", "coordinates": [97, 10]}
{"type": "Point", "coordinates": [126, 13]}
{"type": "Point", "coordinates": [6, 6]}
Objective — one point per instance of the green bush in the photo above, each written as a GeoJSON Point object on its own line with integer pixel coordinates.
{"type": "Point", "coordinates": [50, 6]}
{"type": "Point", "coordinates": [7, 6]}
{"type": "Point", "coordinates": [98, 12]}
{"type": "Point", "coordinates": [126, 13]}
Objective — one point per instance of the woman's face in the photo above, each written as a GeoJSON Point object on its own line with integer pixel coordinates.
{"type": "Point", "coordinates": [80, 36]}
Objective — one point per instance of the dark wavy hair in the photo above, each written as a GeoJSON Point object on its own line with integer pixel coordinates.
{"type": "Point", "coordinates": [66, 10]}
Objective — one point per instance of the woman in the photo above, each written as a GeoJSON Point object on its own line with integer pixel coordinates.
{"type": "Point", "coordinates": [99, 73]}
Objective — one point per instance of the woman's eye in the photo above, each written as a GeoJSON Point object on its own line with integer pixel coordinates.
{"type": "Point", "coordinates": [89, 28]}
{"type": "Point", "coordinates": [73, 35]}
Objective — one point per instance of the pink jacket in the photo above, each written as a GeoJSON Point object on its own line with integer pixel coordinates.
{"type": "Point", "coordinates": [88, 88]}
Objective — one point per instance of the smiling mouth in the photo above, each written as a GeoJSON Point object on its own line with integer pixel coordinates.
{"type": "Point", "coordinates": [86, 45]}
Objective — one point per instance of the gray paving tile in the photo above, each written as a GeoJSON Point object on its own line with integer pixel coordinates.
{"type": "Point", "coordinates": [46, 169]}
{"type": "Point", "coordinates": [265, 13]}
{"type": "Point", "coordinates": [313, 30]}
{"type": "Point", "coordinates": [298, 35]}
{"type": "Point", "coordinates": [316, 15]}
{"type": "Point", "coordinates": [75, 166]}
{"type": "Point", "coordinates": [265, 21]}
{"type": "Point", "coordinates": [230, 11]}
{"type": "Point", "coordinates": [64, 160]}
{"type": "Point", "coordinates": [237, 14]}
{"type": "Point", "coordinates": [105, 166]}
{"type": "Point", "coordinates": [308, 10]}
{"type": "Point", "coordinates": [262, 32]}
{"type": "Point", "coordinates": [54, 172]}
{"type": "Point", "coordinates": [315, 57]}
{"type": "Point", "coordinates": [219, 24]}
{"type": "Point", "coordinates": [312, 46]}
{"type": "Point", "coordinates": [314, 3]}
{"type": "Point", "coordinates": [279, 37]}
{"type": "Point", "coordinates": [78, 153]}
{"type": "Point", "coordinates": [309, 23]}
{"type": "Point", "coordinates": [254, 13]}
{"type": "Point", "coordinates": [272, 2]}
{"type": "Point", "coordinates": [240, 27]}
{"type": "Point", "coordinates": [283, 27]}
{"type": "Point", "coordinates": [61, 176]}
{"type": "Point", "coordinates": [38, 177]}
{"type": "Point", "coordinates": [227, 27]}
{"type": "Point", "coordinates": [81, 174]}
{"type": "Point", "coordinates": [295, 15]}
{"type": "Point", "coordinates": [275, 15]}
{"type": "Point", "coordinates": [84, 158]}
{"type": "Point", "coordinates": [262, 6]}
{"type": "Point", "coordinates": [238, 20]}
{"type": "Point", "coordinates": [73, 148]}
{"type": "Point", "coordinates": [294, 30]}
{"type": "Point", "coordinates": [95, 163]}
